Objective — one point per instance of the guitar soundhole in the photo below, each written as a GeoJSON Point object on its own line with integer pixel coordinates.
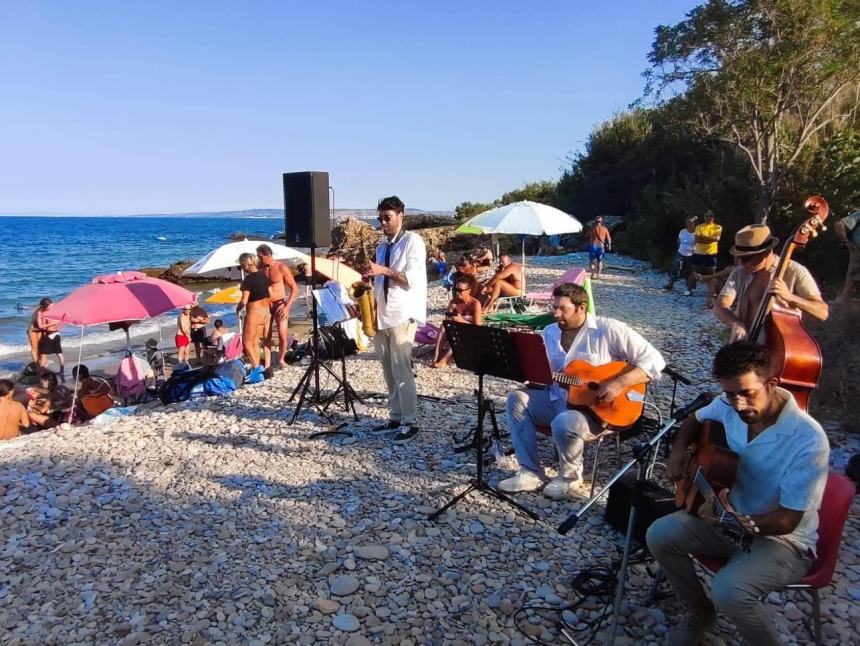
{"type": "Point", "coordinates": [593, 385]}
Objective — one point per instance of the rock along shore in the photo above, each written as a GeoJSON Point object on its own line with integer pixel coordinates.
{"type": "Point", "coordinates": [215, 522]}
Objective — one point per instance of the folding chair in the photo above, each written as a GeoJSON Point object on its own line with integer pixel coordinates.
{"type": "Point", "coordinates": [835, 505]}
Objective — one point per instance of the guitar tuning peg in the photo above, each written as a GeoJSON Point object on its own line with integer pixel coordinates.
{"type": "Point", "coordinates": [824, 227]}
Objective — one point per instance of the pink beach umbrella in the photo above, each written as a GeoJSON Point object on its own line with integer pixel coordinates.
{"type": "Point", "coordinates": [123, 296]}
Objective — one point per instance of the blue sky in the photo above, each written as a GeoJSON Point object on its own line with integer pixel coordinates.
{"type": "Point", "coordinates": [144, 107]}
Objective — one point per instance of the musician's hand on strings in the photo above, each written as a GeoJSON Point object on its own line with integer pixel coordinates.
{"type": "Point", "coordinates": [609, 390]}
{"type": "Point", "coordinates": [746, 521]}
{"type": "Point", "coordinates": [707, 512]}
{"type": "Point", "coordinates": [780, 290]}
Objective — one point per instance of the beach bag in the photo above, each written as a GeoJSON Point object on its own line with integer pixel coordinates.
{"type": "Point", "coordinates": [131, 376]}
{"type": "Point", "coordinates": [333, 343]}
{"type": "Point", "coordinates": [427, 335]}
{"type": "Point", "coordinates": [97, 403]}
{"type": "Point", "coordinates": [179, 387]}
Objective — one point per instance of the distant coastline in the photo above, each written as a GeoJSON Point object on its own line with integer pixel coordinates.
{"type": "Point", "coordinates": [250, 214]}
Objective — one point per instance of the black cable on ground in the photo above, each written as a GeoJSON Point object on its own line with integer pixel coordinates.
{"type": "Point", "coordinates": [598, 581]}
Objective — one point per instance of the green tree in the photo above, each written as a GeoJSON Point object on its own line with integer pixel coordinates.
{"type": "Point", "coordinates": [543, 192]}
{"type": "Point", "coordinates": [466, 210]}
{"type": "Point", "coordinates": [768, 76]}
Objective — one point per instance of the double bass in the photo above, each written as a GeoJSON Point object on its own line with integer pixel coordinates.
{"type": "Point", "coordinates": [795, 354]}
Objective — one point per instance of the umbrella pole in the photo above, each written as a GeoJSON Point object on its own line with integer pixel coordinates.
{"type": "Point", "coordinates": [523, 279]}
{"type": "Point", "coordinates": [161, 352]}
{"type": "Point", "coordinates": [77, 371]}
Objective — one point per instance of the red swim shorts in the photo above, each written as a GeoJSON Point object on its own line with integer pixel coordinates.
{"type": "Point", "coordinates": [181, 340]}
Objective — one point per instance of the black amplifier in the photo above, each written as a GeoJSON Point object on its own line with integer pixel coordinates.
{"type": "Point", "coordinates": [655, 502]}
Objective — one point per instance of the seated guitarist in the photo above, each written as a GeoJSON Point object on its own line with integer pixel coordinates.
{"type": "Point", "coordinates": [575, 335]}
{"type": "Point", "coordinates": [782, 469]}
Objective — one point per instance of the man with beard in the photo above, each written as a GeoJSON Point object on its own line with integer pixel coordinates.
{"type": "Point", "coordinates": [576, 334]}
{"type": "Point", "coordinates": [783, 460]}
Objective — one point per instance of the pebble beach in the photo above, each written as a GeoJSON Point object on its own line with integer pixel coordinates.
{"type": "Point", "coordinates": [216, 522]}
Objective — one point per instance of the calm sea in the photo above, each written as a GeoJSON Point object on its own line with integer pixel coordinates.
{"type": "Point", "coordinates": [52, 256]}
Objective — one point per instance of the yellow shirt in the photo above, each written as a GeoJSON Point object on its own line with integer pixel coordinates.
{"type": "Point", "coordinates": [711, 231]}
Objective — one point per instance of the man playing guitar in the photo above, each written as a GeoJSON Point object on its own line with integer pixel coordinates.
{"type": "Point", "coordinates": [783, 458]}
{"type": "Point", "coordinates": [575, 335]}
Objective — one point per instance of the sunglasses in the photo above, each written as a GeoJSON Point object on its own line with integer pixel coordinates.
{"type": "Point", "coordinates": [384, 218]}
{"type": "Point", "coordinates": [461, 289]}
{"type": "Point", "coordinates": [754, 258]}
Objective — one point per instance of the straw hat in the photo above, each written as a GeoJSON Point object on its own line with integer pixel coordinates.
{"type": "Point", "coordinates": [753, 239]}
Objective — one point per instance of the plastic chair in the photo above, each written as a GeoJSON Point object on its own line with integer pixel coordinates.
{"type": "Point", "coordinates": [835, 505]}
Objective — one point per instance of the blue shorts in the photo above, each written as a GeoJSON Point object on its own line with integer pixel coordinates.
{"type": "Point", "coordinates": [596, 252]}
{"type": "Point", "coordinates": [706, 263]}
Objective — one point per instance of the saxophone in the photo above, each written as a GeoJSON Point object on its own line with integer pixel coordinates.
{"type": "Point", "coordinates": [361, 291]}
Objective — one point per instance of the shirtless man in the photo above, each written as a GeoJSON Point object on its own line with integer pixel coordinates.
{"type": "Point", "coordinates": [484, 257]}
{"type": "Point", "coordinates": [183, 334]}
{"type": "Point", "coordinates": [507, 281]}
{"type": "Point", "coordinates": [748, 283]}
{"type": "Point", "coordinates": [599, 242]}
{"type": "Point", "coordinates": [13, 416]}
{"type": "Point", "coordinates": [281, 278]}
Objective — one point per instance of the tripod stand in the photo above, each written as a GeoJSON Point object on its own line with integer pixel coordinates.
{"type": "Point", "coordinates": [485, 351]}
{"type": "Point", "coordinates": [308, 387]}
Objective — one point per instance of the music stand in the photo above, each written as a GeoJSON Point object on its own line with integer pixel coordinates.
{"type": "Point", "coordinates": [308, 393]}
{"type": "Point", "coordinates": [484, 351]}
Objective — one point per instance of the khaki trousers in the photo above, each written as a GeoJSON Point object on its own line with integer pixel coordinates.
{"type": "Point", "coordinates": [737, 589]}
{"type": "Point", "coordinates": [394, 349]}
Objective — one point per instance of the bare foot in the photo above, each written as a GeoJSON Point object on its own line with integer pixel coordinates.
{"type": "Point", "coordinates": [442, 363]}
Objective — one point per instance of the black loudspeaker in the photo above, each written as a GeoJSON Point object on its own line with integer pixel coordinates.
{"type": "Point", "coordinates": [306, 209]}
{"type": "Point", "coordinates": [655, 502]}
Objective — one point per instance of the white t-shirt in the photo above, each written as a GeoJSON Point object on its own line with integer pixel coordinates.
{"type": "Point", "coordinates": [686, 240]}
{"type": "Point", "coordinates": [785, 465]}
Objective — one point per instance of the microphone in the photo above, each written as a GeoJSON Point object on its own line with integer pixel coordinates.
{"type": "Point", "coordinates": [699, 402]}
{"type": "Point", "coordinates": [677, 376]}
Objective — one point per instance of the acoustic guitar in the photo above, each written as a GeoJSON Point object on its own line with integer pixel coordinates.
{"type": "Point", "coordinates": [711, 467]}
{"type": "Point", "coordinates": [583, 381]}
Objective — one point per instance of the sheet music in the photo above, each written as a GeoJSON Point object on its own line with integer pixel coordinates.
{"type": "Point", "coordinates": [330, 307]}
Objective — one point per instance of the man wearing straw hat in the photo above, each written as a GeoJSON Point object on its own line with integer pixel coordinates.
{"type": "Point", "coordinates": [750, 282]}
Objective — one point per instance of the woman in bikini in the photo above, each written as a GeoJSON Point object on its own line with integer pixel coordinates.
{"type": "Point", "coordinates": [255, 304]}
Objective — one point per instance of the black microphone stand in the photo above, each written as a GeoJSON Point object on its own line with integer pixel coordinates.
{"type": "Point", "coordinates": [641, 454]}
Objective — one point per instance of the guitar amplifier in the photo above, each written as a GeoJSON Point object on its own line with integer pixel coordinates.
{"type": "Point", "coordinates": [655, 502]}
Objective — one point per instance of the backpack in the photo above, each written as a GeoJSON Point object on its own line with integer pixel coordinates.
{"type": "Point", "coordinates": [131, 376]}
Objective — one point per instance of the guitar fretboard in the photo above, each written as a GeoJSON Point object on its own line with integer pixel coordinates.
{"type": "Point", "coordinates": [568, 380]}
{"type": "Point", "coordinates": [725, 518]}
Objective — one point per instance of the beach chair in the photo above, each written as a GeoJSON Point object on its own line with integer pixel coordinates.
{"type": "Point", "coordinates": [575, 275]}
{"type": "Point", "coordinates": [515, 304]}
{"type": "Point", "coordinates": [425, 340]}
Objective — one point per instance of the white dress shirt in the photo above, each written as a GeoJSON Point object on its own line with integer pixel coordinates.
{"type": "Point", "coordinates": [601, 340]}
{"type": "Point", "coordinates": [408, 255]}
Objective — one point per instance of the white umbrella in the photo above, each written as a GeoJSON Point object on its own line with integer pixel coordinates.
{"type": "Point", "coordinates": [223, 262]}
{"type": "Point", "coordinates": [522, 218]}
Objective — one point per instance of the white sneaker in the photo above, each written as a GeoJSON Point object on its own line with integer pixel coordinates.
{"type": "Point", "coordinates": [560, 487]}
{"type": "Point", "coordinates": [523, 480]}
{"type": "Point", "coordinates": [688, 293]}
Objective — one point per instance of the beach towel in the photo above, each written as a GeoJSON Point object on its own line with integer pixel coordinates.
{"type": "Point", "coordinates": [181, 385]}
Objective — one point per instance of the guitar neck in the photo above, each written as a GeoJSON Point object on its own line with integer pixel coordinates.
{"type": "Point", "coordinates": [568, 380]}
{"type": "Point", "coordinates": [724, 518]}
